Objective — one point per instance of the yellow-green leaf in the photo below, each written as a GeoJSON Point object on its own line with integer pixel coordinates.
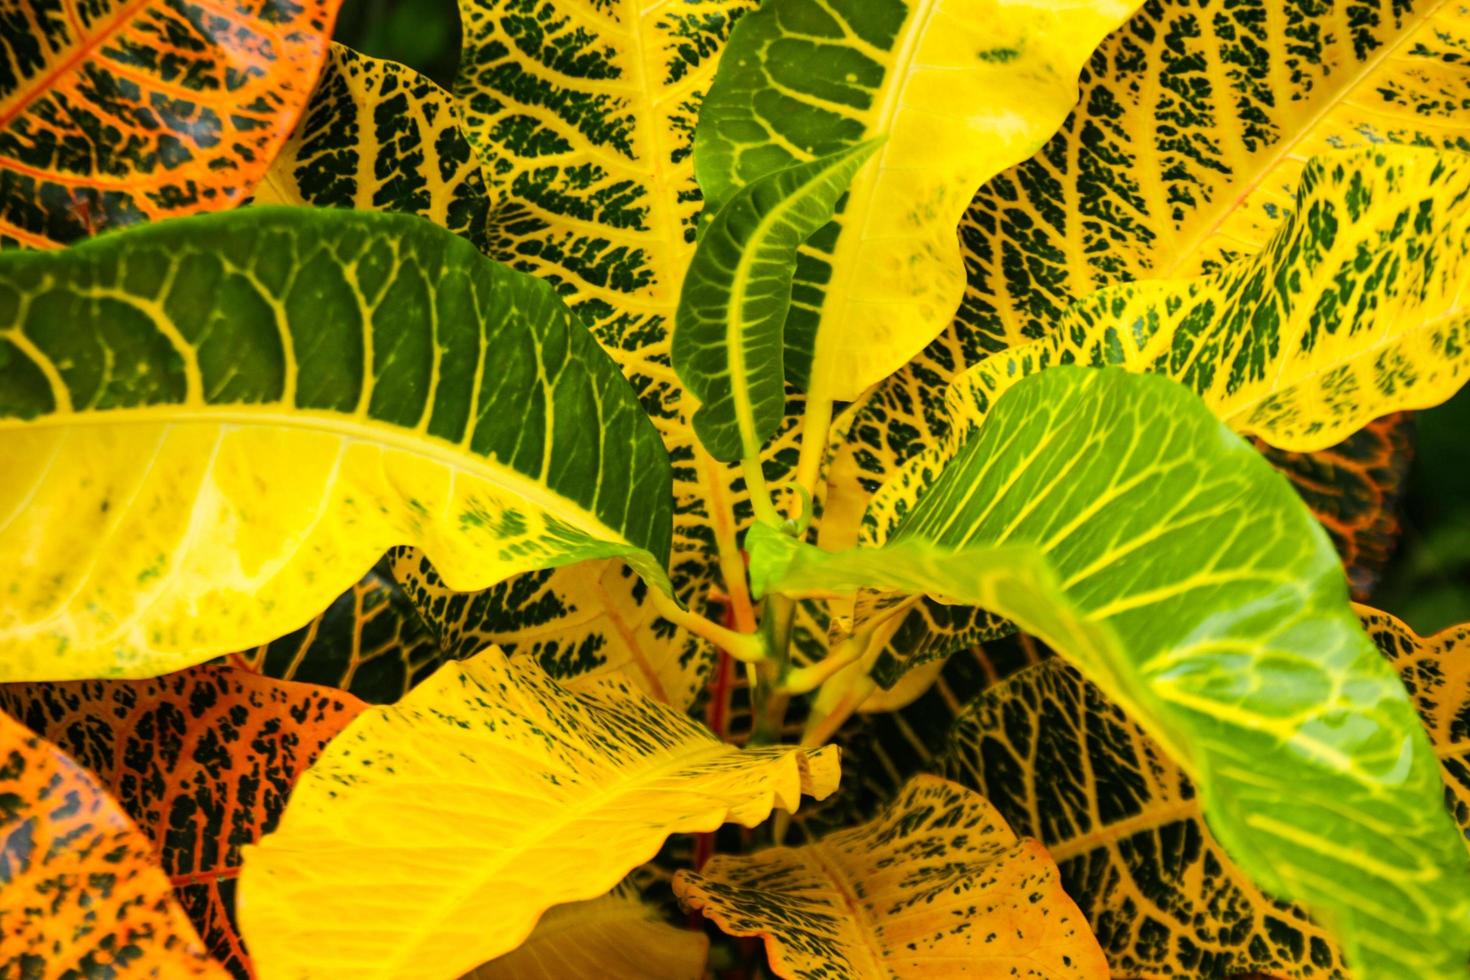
{"type": "Point", "coordinates": [616, 937]}
{"type": "Point", "coordinates": [486, 796]}
{"type": "Point", "coordinates": [961, 92]}
{"type": "Point", "coordinates": [377, 136]}
{"type": "Point", "coordinates": [214, 426]}
{"type": "Point", "coordinates": [115, 112]}
{"type": "Point", "coordinates": [936, 886]}
{"type": "Point", "coordinates": [1355, 308]}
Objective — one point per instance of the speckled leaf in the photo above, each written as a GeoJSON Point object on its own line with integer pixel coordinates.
{"type": "Point", "coordinates": [486, 796]}
{"type": "Point", "coordinates": [1114, 517]}
{"type": "Point", "coordinates": [371, 641]}
{"type": "Point", "coordinates": [936, 886]}
{"type": "Point", "coordinates": [115, 112]}
{"type": "Point", "coordinates": [615, 937]}
{"type": "Point", "coordinates": [202, 760]}
{"type": "Point", "coordinates": [961, 90]}
{"type": "Point", "coordinates": [732, 310]}
{"type": "Point", "coordinates": [1355, 488]}
{"type": "Point", "coordinates": [1185, 151]}
{"type": "Point", "coordinates": [1436, 670]}
{"type": "Point", "coordinates": [214, 426]}
{"type": "Point", "coordinates": [81, 893]}
{"type": "Point", "coordinates": [377, 136]}
{"type": "Point", "coordinates": [1355, 308]}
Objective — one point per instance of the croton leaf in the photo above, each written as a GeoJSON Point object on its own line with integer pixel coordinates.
{"type": "Point", "coordinates": [936, 880]}
{"type": "Point", "coordinates": [961, 92]}
{"type": "Point", "coordinates": [202, 760]}
{"type": "Point", "coordinates": [83, 893]}
{"type": "Point", "coordinates": [616, 937]}
{"type": "Point", "coordinates": [216, 425]}
{"type": "Point", "coordinates": [486, 796]}
{"type": "Point", "coordinates": [732, 310]}
{"type": "Point", "coordinates": [1353, 309]}
{"type": "Point", "coordinates": [1115, 518]}
{"type": "Point", "coordinates": [377, 136]}
{"type": "Point", "coordinates": [114, 112]}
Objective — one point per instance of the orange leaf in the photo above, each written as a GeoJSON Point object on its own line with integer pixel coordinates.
{"type": "Point", "coordinates": [202, 759]}
{"type": "Point", "coordinates": [126, 111]}
{"type": "Point", "coordinates": [81, 893]}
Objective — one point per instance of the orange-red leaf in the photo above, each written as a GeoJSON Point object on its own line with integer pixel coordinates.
{"type": "Point", "coordinates": [115, 112]}
{"type": "Point", "coordinates": [202, 759]}
{"type": "Point", "coordinates": [81, 893]}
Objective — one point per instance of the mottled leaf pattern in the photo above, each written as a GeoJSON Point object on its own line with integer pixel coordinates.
{"type": "Point", "coordinates": [544, 796]}
{"type": "Point", "coordinates": [1354, 488]}
{"type": "Point", "coordinates": [114, 112]}
{"type": "Point", "coordinates": [615, 937]}
{"type": "Point", "coordinates": [377, 136]}
{"type": "Point", "coordinates": [217, 425]}
{"type": "Point", "coordinates": [1356, 307]}
{"type": "Point", "coordinates": [81, 893]}
{"type": "Point", "coordinates": [1114, 517]}
{"type": "Point", "coordinates": [961, 90]}
{"type": "Point", "coordinates": [936, 886]}
{"type": "Point", "coordinates": [202, 760]}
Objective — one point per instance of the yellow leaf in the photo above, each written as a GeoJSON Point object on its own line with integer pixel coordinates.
{"type": "Point", "coordinates": [936, 886]}
{"type": "Point", "coordinates": [615, 937]}
{"type": "Point", "coordinates": [486, 796]}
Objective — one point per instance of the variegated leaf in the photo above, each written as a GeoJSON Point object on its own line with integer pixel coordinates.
{"type": "Point", "coordinates": [936, 886]}
{"type": "Point", "coordinates": [544, 796]}
{"type": "Point", "coordinates": [377, 136]}
{"type": "Point", "coordinates": [115, 112]}
{"type": "Point", "coordinates": [216, 425]}
{"type": "Point", "coordinates": [1113, 516]}
{"type": "Point", "coordinates": [960, 90]}
{"type": "Point", "coordinates": [202, 760]}
{"type": "Point", "coordinates": [81, 893]}
{"type": "Point", "coordinates": [616, 937]}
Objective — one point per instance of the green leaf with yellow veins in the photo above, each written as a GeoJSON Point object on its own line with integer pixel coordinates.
{"type": "Point", "coordinates": [935, 885]}
{"type": "Point", "coordinates": [377, 136]}
{"type": "Point", "coordinates": [960, 91]}
{"type": "Point", "coordinates": [736, 295]}
{"type": "Point", "coordinates": [1114, 517]}
{"type": "Point", "coordinates": [485, 797]}
{"type": "Point", "coordinates": [1185, 151]}
{"type": "Point", "coordinates": [215, 426]}
{"type": "Point", "coordinates": [1355, 308]}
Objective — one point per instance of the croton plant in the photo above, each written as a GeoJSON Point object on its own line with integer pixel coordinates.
{"type": "Point", "coordinates": [821, 488]}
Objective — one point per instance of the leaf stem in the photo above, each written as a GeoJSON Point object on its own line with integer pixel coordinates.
{"type": "Point", "coordinates": [815, 427]}
{"type": "Point", "coordinates": [760, 494]}
{"type": "Point", "coordinates": [746, 647]}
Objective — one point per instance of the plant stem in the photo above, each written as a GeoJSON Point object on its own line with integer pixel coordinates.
{"type": "Point", "coordinates": [747, 647]}
{"type": "Point", "coordinates": [760, 494]}
{"type": "Point", "coordinates": [815, 426]}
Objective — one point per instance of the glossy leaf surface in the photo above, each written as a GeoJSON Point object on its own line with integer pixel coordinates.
{"type": "Point", "coordinates": [1114, 517]}
{"type": "Point", "coordinates": [486, 796]}
{"type": "Point", "coordinates": [118, 112]}
{"type": "Point", "coordinates": [936, 886]}
{"type": "Point", "coordinates": [960, 90]}
{"type": "Point", "coordinates": [83, 893]}
{"type": "Point", "coordinates": [216, 426]}
{"type": "Point", "coordinates": [736, 295]}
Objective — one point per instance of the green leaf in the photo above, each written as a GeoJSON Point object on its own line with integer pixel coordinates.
{"type": "Point", "coordinates": [732, 310]}
{"type": "Point", "coordinates": [1115, 518]}
{"type": "Point", "coordinates": [215, 426]}
{"type": "Point", "coordinates": [961, 92]}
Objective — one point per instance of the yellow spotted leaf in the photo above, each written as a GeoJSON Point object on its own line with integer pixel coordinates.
{"type": "Point", "coordinates": [116, 112]}
{"type": "Point", "coordinates": [215, 426]}
{"type": "Point", "coordinates": [377, 136]}
{"type": "Point", "coordinates": [960, 90]}
{"type": "Point", "coordinates": [936, 886]}
{"type": "Point", "coordinates": [486, 796]}
{"type": "Point", "coordinates": [615, 937]}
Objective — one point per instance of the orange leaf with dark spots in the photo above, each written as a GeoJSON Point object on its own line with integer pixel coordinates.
{"type": "Point", "coordinates": [81, 893]}
{"type": "Point", "coordinates": [203, 760]}
{"type": "Point", "coordinates": [122, 111]}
